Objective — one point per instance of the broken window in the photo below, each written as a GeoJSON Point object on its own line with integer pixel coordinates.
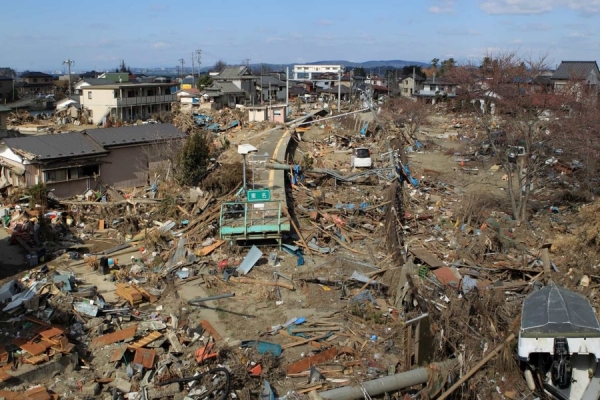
{"type": "Point", "coordinates": [34, 80]}
{"type": "Point", "coordinates": [89, 94]}
{"type": "Point", "coordinates": [55, 175]}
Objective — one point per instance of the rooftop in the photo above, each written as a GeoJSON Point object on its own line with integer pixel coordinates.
{"type": "Point", "coordinates": [575, 69]}
{"type": "Point", "coordinates": [62, 145]}
{"type": "Point", "coordinates": [34, 74]}
{"type": "Point", "coordinates": [4, 108]}
{"type": "Point", "coordinates": [126, 135]}
{"type": "Point", "coordinates": [237, 72]}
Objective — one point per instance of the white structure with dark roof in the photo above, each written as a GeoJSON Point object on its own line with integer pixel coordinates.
{"type": "Point", "coordinates": [585, 73]}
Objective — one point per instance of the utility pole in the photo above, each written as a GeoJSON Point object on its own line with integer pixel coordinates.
{"type": "Point", "coordinates": [199, 56]}
{"type": "Point", "coordinates": [193, 80]}
{"type": "Point", "coordinates": [339, 91]}
{"type": "Point", "coordinates": [69, 62]}
{"type": "Point", "coordinates": [182, 61]}
{"type": "Point", "coordinates": [261, 83]}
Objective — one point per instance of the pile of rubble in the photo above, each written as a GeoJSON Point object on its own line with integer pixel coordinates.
{"type": "Point", "coordinates": [388, 284]}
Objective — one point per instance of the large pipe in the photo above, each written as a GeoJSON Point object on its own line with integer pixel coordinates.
{"type": "Point", "coordinates": [387, 384]}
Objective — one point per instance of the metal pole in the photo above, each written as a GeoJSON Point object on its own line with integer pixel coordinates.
{"type": "Point", "coordinates": [387, 384]}
{"type": "Point", "coordinates": [287, 88]}
{"type": "Point", "coordinates": [339, 91]}
{"type": "Point", "coordinates": [193, 79]}
{"type": "Point", "coordinates": [244, 172]}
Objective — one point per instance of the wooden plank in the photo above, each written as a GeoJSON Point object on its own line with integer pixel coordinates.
{"type": "Point", "coordinates": [50, 333]}
{"type": "Point", "coordinates": [428, 258]}
{"type": "Point", "coordinates": [145, 341]}
{"type": "Point", "coordinates": [210, 330]}
{"type": "Point", "coordinates": [307, 362]}
{"type": "Point", "coordinates": [34, 349]}
{"type": "Point", "coordinates": [305, 341]}
{"type": "Point", "coordinates": [145, 357]}
{"type": "Point", "coordinates": [147, 295]}
{"type": "Point", "coordinates": [114, 337]}
{"type": "Point", "coordinates": [209, 249]}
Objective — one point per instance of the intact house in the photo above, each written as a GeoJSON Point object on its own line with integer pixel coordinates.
{"type": "Point", "coordinates": [434, 89]}
{"type": "Point", "coordinates": [221, 94]}
{"type": "Point", "coordinates": [376, 81]}
{"type": "Point", "coordinates": [410, 85]}
{"type": "Point", "coordinates": [32, 82]}
{"type": "Point", "coordinates": [584, 75]}
{"type": "Point", "coordinates": [241, 77]}
{"type": "Point", "coordinates": [69, 164]}
{"type": "Point", "coordinates": [6, 88]}
{"type": "Point", "coordinates": [126, 101]}
{"type": "Point", "coordinates": [270, 88]}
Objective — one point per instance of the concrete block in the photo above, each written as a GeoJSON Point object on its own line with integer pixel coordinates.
{"type": "Point", "coordinates": [121, 384]}
{"type": "Point", "coordinates": [93, 389]}
{"type": "Point", "coordinates": [155, 393]}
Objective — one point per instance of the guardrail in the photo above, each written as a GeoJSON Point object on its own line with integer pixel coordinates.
{"type": "Point", "coordinates": [246, 219]}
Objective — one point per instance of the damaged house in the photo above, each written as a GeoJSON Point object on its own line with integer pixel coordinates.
{"type": "Point", "coordinates": [71, 163]}
{"type": "Point", "coordinates": [233, 85]}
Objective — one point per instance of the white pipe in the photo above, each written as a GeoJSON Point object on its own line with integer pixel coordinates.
{"type": "Point", "coordinates": [387, 384]}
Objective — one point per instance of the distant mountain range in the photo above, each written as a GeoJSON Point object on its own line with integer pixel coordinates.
{"type": "Point", "coordinates": [372, 65]}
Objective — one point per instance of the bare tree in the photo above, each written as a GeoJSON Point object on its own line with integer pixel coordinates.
{"type": "Point", "coordinates": [518, 118]}
{"type": "Point", "coordinates": [407, 115]}
{"type": "Point", "coordinates": [219, 66]}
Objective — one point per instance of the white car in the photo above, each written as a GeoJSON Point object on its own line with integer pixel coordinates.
{"type": "Point", "coordinates": [361, 158]}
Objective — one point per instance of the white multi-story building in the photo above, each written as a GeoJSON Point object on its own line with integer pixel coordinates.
{"type": "Point", "coordinates": [306, 71]}
{"type": "Point", "coordinates": [127, 101]}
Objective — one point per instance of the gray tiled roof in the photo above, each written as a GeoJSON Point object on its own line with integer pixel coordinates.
{"type": "Point", "coordinates": [62, 145]}
{"type": "Point", "coordinates": [228, 87]}
{"type": "Point", "coordinates": [238, 72]}
{"type": "Point", "coordinates": [575, 70]}
{"type": "Point", "coordinates": [269, 79]}
{"type": "Point", "coordinates": [126, 135]}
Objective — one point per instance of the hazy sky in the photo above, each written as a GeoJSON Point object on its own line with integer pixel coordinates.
{"type": "Point", "coordinates": [39, 35]}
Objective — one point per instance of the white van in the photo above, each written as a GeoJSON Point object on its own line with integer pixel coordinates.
{"type": "Point", "coordinates": [361, 158]}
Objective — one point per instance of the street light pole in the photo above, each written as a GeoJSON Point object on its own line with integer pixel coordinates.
{"type": "Point", "coordinates": [69, 62]}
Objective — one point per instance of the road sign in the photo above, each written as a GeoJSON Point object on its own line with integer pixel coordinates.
{"type": "Point", "coordinates": [259, 195]}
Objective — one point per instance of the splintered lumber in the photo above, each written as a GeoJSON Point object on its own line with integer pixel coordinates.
{"type": "Point", "coordinates": [307, 362]}
{"type": "Point", "coordinates": [242, 279]}
{"type": "Point", "coordinates": [208, 328]}
{"type": "Point", "coordinates": [129, 293]}
{"type": "Point", "coordinates": [338, 240]}
{"type": "Point", "coordinates": [305, 341]}
{"type": "Point", "coordinates": [476, 368]}
{"type": "Point", "coordinates": [146, 295]}
{"type": "Point", "coordinates": [145, 341]}
{"type": "Point", "coordinates": [209, 249]}
{"type": "Point", "coordinates": [114, 337]}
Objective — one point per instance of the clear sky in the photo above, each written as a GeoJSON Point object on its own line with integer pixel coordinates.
{"type": "Point", "coordinates": [38, 35]}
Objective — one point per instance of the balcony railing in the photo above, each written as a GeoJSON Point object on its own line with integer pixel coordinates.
{"type": "Point", "coordinates": [146, 100]}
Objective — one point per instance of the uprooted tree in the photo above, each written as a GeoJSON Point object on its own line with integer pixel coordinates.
{"type": "Point", "coordinates": [520, 119]}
